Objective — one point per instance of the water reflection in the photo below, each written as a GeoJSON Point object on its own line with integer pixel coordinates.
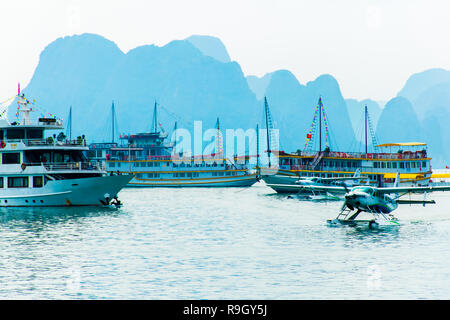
{"type": "Point", "coordinates": [366, 234]}
{"type": "Point", "coordinates": [53, 215]}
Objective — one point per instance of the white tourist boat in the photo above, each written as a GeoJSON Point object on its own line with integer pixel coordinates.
{"type": "Point", "coordinates": [40, 171]}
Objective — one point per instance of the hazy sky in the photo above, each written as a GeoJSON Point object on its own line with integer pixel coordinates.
{"type": "Point", "coordinates": [371, 47]}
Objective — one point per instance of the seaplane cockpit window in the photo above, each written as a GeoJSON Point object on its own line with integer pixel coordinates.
{"type": "Point", "coordinates": [364, 189]}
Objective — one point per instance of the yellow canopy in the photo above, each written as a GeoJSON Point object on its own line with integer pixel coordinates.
{"type": "Point", "coordinates": [402, 144]}
{"type": "Point", "coordinates": [403, 175]}
{"type": "Point", "coordinates": [440, 175]}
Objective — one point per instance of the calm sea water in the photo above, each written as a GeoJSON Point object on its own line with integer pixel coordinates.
{"type": "Point", "coordinates": [221, 244]}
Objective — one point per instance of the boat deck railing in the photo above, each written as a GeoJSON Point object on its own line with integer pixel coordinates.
{"type": "Point", "coordinates": [47, 142]}
{"type": "Point", "coordinates": [66, 166]}
{"type": "Point", "coordinates": [358, 155]}
{"type": "Point", "coordinates": [352, 169]}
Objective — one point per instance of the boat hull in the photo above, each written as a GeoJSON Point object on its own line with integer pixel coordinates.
{"type": "Point", "coordinates": [92, 191]}
{"type": "Point", "coordinates": [282, 183]}
{"type": "Point", "coordinates": [233, 181]}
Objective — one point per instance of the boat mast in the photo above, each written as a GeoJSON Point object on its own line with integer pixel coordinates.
{"type": "Point", "coordinates": [113, 114]}
{"type": "Point", "coordinates": [175, 134]}
{"type": "Point", "coordinates": [155, 119]}
{"type": "Point", "coordinates": [257, 146]}
{"type": "Point", "coordinates": [320, 124]}
{"type": "Point", "coordinates": [70, 123]}
{"type": "Point", "coordinates": [218, 139]}
{"type": "Point", "coordinates": [266, 108]}
{"type": "Point", "coordinates": [365, 125]}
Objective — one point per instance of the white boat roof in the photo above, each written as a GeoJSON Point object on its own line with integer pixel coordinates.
{"type": "Point", "coordinates": [5, 124]}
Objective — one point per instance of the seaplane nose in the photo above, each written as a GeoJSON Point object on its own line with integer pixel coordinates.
{"type": "Point", "coordinates": [350, 196]}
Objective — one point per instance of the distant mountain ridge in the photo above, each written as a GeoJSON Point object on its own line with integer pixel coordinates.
{"type": "Point", "coordinates": [429, 94]}
{"type": "Point", "coordinates": [419, 83]}
{"type": "Point", "coordinates": [210, 46]}
{"type": "Point", "coordinates": [195, 79]}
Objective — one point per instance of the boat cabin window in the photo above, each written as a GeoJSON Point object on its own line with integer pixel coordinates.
{"type": "Point", "coordinates": [2, 135]}
{"type": "Point", "coordinates": [15, 134]}
{"type": "Point", "coordinates": [60, 156]}
{"type": "Point", "coordinates": [11, 158]}
{"type": "Point", "coordinates": [37, 182]}
{"type": "Point", "coordinates": [35, 134]}
{"type": "Point", "coordinates": [1, 182]}
{"type": "Point", "coordinates": [17, 182]}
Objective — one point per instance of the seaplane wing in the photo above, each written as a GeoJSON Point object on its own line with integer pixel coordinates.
{"type": "Point", "coordinates": [314, 188]}
{"type": "Point", "coordinates": [423, 202]}
{"type": "Point", "coordinates": [339, 179]}
{"type": "Point", "coordinates": [413, 189]}
{"type": "Point", "coordinates": [356, 176]}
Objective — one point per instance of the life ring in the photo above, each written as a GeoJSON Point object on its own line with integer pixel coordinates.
{"type": "Point", "coordinates": [2, 144]}
{"type": "Point", "coordinates": [23, 166]}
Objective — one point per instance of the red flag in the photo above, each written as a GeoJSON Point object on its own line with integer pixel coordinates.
{"type": "Point", "coordinates": [309, 135]}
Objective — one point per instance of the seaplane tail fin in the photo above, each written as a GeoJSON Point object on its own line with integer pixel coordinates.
{"type": "Point", "coordinates": [397, 180]}
{"type": "Point", "coordinates": [357, 173]}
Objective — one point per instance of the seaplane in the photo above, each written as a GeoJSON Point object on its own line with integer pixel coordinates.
{"type": "Point", "coordinates": [321, 194]}
{"type": "Point", "coordinates": [348, 181]}
{"type": "Point", "coordinates": [380, 202]}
